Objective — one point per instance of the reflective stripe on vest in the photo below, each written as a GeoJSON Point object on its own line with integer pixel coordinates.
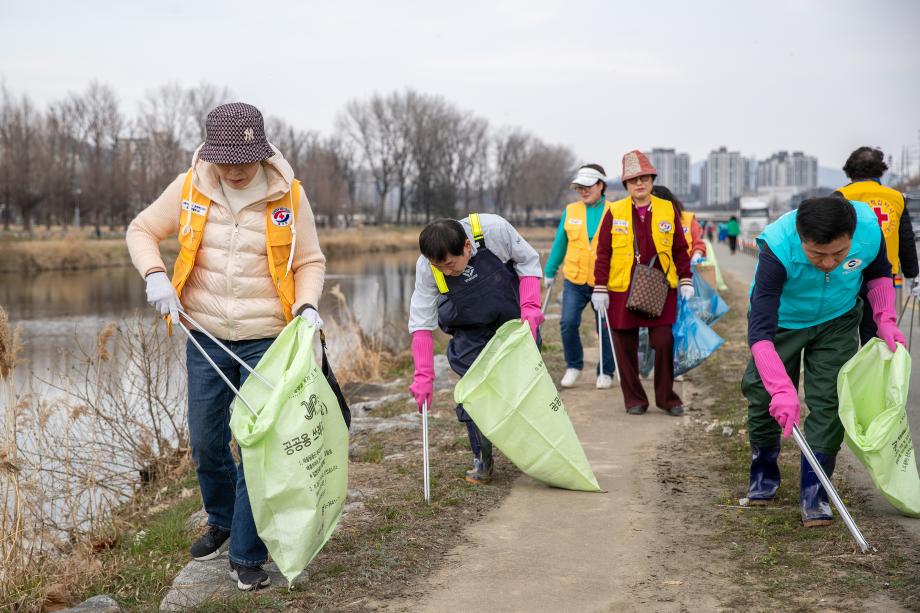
{"type": "Point", "coordinates": [686, 220]}
{"type": "Point", "coordinates": [280, 239]}
{"type": "Point", "coordinates": [476, 227]}
{"type": "Point", "coordinates": [580, 255]}
{"type": "Point", "coordinates": [888, 206]}
{"type": "Point", "coordinates": [622, 251]}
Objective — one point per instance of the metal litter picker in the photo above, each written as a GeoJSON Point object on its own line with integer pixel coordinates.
{"type": "Point", "coordinates": [831, 492]}
{"type": "Point", "coordinates": [426, 466]}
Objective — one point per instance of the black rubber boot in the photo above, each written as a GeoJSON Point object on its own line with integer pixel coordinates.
{"type": "Point", "coordinates": [765, 478]}
{"type": "Point", "coordinates": [816, 510]}
{"type": "Point", "coordinates": [482, 465]}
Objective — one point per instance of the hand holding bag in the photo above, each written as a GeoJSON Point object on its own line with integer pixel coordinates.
{"type": "Point", "coordinates": [648, 288]}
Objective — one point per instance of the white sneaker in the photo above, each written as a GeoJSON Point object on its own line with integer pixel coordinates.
{"type": "Point", "coordinates": [604, 382]}
{"type": "Point", "coordinates": [570, 377]}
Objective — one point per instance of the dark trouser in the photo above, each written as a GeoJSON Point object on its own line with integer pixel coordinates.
{"type": "Point", "coordinates": [733, 243]}
{"type": "Point", "coordinates": [222, 482]}
{"type": "Point", "coordinates": [867, 327]}
{"type": "Point", "coordinates": [574, 299]}
{"type": "Point", "coordinates": [626, 347]}
{"type": "Point", "coordinates": [826, 348]}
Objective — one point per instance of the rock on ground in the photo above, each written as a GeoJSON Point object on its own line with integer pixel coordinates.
{"type": "Point", "coordinates": [96, 604]}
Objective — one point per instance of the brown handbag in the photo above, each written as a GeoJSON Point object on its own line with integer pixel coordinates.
{"type": "Point", "coordinates": [648, 288]}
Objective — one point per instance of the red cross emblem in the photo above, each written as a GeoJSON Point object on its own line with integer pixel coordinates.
{"type": "Point", "coordinates": [882, 217]}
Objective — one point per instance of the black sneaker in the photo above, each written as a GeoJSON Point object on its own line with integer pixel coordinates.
{"type": "Point", "coordinates": [249, 577]}
{"type": "Point", "coordinates": [674, 411]}
{"type": "Point", "coordinates": [208, 546]}
{"type": "Point", "coordinates": [636, 410]}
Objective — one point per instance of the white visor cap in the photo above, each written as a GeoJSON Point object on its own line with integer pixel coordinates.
{"type": "Point", "coordinates": [586, 177]}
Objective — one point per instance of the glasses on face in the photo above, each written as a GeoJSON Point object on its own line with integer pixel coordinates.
{"type": "Point", "coordinates": [584, 188]}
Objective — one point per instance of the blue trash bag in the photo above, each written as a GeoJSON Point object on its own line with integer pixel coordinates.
{"type": "Point", "coordinates": [707, 303]}
{"type": "Point", "coordinates": [646, 354]}
{"type": "Point", "coordinates": [694, 341]}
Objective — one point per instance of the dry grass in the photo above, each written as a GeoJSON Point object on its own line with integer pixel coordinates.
{"type": "Point", "coordinates": [69, 458]}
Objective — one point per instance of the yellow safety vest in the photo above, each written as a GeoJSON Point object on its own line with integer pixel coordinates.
{"type": "Point", "coordinates": [580, 254]}
{"type": "Point", "coordinates": [686, 220]}
{"type": "Point", "coordinates": [888, 205]}
{"type": "Point", "coordinates": [280, 216]}
{"type": "Point", "coordinates": [476, 227]}
{"type": "Point", "coordinates": [623, 252]}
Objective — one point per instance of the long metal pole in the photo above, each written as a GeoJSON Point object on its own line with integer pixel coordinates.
{"type": "Point", "coordinates": [549, 293]}
{"type": "Point", "coordinates": [216, 368]}
{"type": "Point", "coordinates": [600, 344]}
{"type": "Point", "coordinates": [238, 359]}
{"type": "Point", "coordinates": [616, 367]}
{"type": "Point", "coordinates": [835, 498]}
{"type": "Point", "coordinates": [426, 479]}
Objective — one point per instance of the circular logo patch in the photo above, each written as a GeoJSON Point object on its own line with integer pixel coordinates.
{"type": "Point", "coordinates": [852, 264]}
{"type": "Point", "coordinates": [665, 226]}
{"type": "Point", "coordinates": [282, 217]}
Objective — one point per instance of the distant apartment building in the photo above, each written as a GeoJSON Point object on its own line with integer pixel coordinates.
{"type": "Point", "coordinates": [673, 170]}
{"type": "Point", "coordinates": [783, 169]}
{"type": "Point", "coordinates": [722, 179]}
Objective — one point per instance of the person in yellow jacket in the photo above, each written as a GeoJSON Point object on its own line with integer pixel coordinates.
{"type": "Point", "coordinates": [865, 168]}
{"type": "Point", "coordinates": [249, 262]}
{"type": "Point", "coordinates": [574, 248]}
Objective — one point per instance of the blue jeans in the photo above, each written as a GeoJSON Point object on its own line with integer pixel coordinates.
{"type": "Point", "coordinates": [222, 483]}
{"type": "Point", "coordinates": [574, 300]}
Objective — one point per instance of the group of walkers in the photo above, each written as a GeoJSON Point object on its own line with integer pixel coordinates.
{"type": "Point", "coordinates": [250, 262]}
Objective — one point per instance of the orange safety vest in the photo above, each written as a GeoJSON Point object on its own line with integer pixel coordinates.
{"type": "Point", "coordinates": [686, 220]}
{"type": "Point", "coordinates": [580, 254]}
{"type": "Point", "coordinates": [888, 205]}
{"type": "Point", "coordinates": [280, 238]}
{"type": "Point", "coordinates": [623, 252]}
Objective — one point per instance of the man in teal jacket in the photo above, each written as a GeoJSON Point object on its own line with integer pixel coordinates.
{"type": "Point", "coordinates": [805, 301]}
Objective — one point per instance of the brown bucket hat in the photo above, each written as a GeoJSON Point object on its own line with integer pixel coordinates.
{"type": "Point", "coordinates": [235, 135]}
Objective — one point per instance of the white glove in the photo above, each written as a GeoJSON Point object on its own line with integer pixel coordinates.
{"type": "Point", "coordinates": [696, 258]}
{"type": "Point", "coordinates": [549, 281]}
{"type": "Point", "coordinates": [162, 295]}
{"type": "Point", "coordinates": [687, 292]}
{"type": "Point", "coordinates": [600, 301]}
{"type": "Point", "coordinates": [913, 287]}
{"type": "Point", "coordinates": [311, 316]}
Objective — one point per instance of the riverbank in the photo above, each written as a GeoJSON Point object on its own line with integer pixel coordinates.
{"type": "Point", "coordinates": [80, 252]}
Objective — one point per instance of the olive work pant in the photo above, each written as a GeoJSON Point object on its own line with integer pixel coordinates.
{"type": "Point", "coordinates": [826, 348]}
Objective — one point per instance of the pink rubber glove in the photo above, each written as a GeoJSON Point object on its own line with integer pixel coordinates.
{"type": "Point", "coordinates": [784, 399]}
{"type": "Point", "coordinates": [422, 387]}
{"type": "Point", "coordinates": [881, 298]}
{"type": "Point", "coordinates": [529, 289]}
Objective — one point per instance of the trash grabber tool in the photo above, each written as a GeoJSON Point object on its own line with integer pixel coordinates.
{"type": "Point", "coordinates": [600, 344]}
{"type": "Point", "coordinates": [549, 293]}
{"type": "Point", "coordinates": [910, 335]}
{"type": "Point", "coordinates": [835, 498]}
{"type": "Point", "coordinates": [426, 479]}
{"type": "Point", "coordinates": [216, 368]}
{"type": "Point", "coordinates": [616, 367]}
{"type": "Point", "coordinates": [238, 359]}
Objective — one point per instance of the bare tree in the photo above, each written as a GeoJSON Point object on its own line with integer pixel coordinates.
{"type": "Point", "coordinates": [21, 143]}
{"type": "Point", "coordinates": [510, 155]}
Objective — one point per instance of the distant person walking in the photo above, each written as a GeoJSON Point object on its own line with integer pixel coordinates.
{"type": "Point", "coordinates": [732, 230]}
{"type": "Point", "coordinates": [249, 262]}
{"type": "Point", "coordinates": [647, 229]}
{"type": "Point", "coordinates": [865, 168]}
{"type": "Point", "coordinates": [575, 249]}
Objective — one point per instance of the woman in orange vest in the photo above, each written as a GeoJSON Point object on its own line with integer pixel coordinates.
{"type": "Point", "coordinates": [574, 249]}
{"type": "Point", "coordinates": [249, 262]}
{"type": "Point", "coordinates": [644, 227]}
{"type": "Point", "coordinates": [693, 231]}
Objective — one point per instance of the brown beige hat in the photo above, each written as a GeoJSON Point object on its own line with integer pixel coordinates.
{"type": "Point", "coordinates": [635, 164]}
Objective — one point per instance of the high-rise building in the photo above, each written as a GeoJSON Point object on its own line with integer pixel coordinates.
{"type": "Point", "coordinates": [723, 177]}
{"type": "Point", "coordinates": [673, 170]}
{"type": "Point", "coordinates": [783, 169]}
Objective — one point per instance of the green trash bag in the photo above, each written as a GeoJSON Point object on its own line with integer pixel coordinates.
{"type": "Point", "coordinates": [512, 399]}
{"type": "Point", "coordinates": [872, 390]}
{"type": "Point", "coordinates": [295, 450]}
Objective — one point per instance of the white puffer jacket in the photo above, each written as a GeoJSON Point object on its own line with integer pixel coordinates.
{"type": "Point", "coordinates": [230, 291]}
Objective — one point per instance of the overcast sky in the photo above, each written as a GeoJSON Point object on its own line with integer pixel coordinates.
{"type": "Point", "coordinates": [823, 76]}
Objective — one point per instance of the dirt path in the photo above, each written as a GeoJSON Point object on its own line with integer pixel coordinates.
{"type": "Point", "coordinates": [545, 549]}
